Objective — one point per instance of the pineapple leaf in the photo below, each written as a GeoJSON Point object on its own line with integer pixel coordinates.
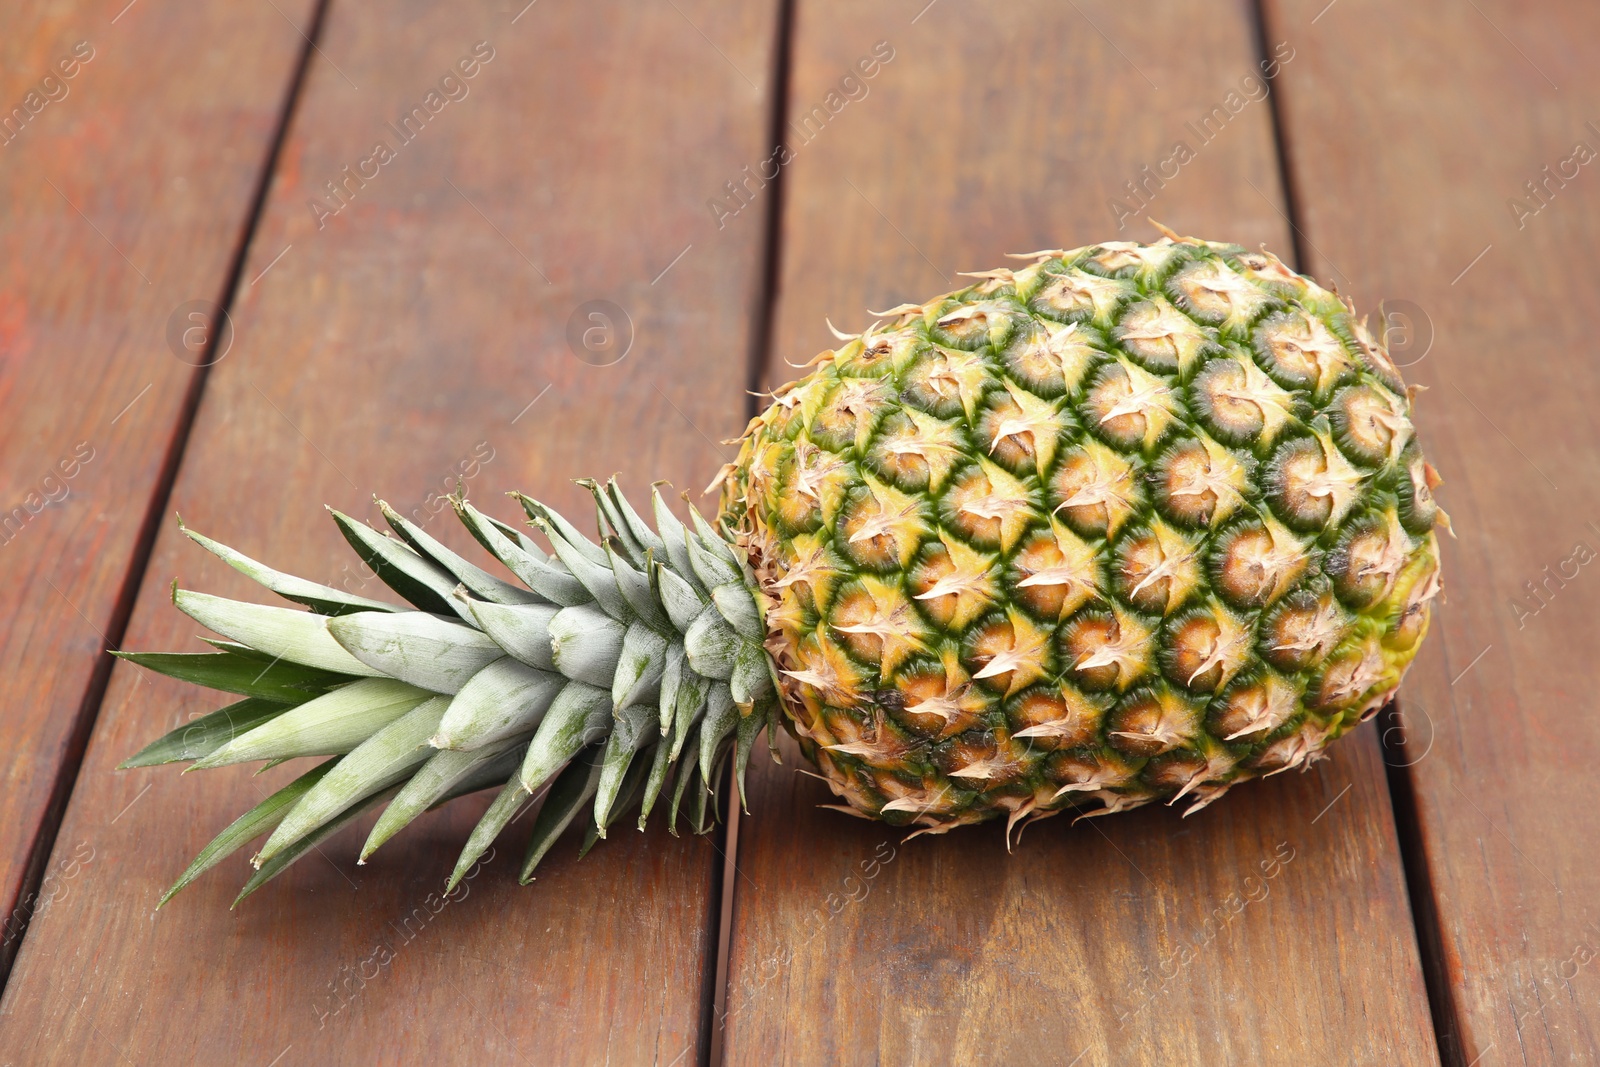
{"type": "Point", "coordinates": [628, 797]}
{"type": "Point", "coordinates": [674, 538]}
{"type": "Point", "coordinates": [564, 530]}
{"type": "Point", "coordinates": [712, 645]}
{"type": "Point", "coordinates": [722, 718]}
{"type": "Point", "coordinates": [470, 575]}
{"type": "Point", "coordinates": [632, 732]}
{"type": "Point", "coordinates": [521, 629]}
{"type": "Point", "coordinates": [437, 779]}
{"type": "Point", "coordinates": [416, 647]}
{"type": "Point", "coordinates": [297, 636]}
{"type": "Point", "coordinates": [423, 584]}
{"type": "Point", "coordinates": [580, 716]}
{"type": "Point", "coordinates": [635, 587]}
{"type": "Point", "coordinates": [586, 644]}
{"type": "Point", "coordinates": [384, 759]}
{"type": "Point", "coordinates": [506, 807]}
{"type": "Point", "coordinates": [660, 767]}
{"type": "Point", "coordinates": [688, 774]}
{"type": "Point", "coordinates": [252, 824]}
{"type": "Point", "coordinates": [231, 672]}
{"type": "Point", "coordinates": [330, 725]}
{"type": "Point", "coordinates": [647, 539]}
{"type": "Point", "coordinates": [750, 727]}
{"type": "Point", "coordinates": [597, 577]}
{"type": "Point", "coordinates": [638, 673]}
{"type": "Point", "coordinates": [506, 699]}
{"type": "Point", "coordinates": [570, 792]}
{"type": "Point", "coordinates": [200, 737]}
{"type": "Point", "coordinates": [322, 599]}
{"type": "Point", "coordinates": [523, 558]}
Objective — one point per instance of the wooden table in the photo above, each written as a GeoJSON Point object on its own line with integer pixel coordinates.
{"type": "Point", "coordinates": [396, 321]}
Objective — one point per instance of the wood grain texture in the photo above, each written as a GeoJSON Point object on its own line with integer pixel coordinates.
{"type": "Point", "coordinates": [402, 340]}
{"type": "Point", "coordinates": [1414, 132]}
{"type": "Point", "coordinates": [130, 153]}
{"type": "Point", "coordinates": [1004, 128]}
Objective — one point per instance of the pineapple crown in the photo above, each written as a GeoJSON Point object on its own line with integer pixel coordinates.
{"type": "Point", "coordinates": [617, 667]}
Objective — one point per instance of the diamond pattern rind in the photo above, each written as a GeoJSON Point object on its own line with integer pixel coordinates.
{"type": "Point", "coordinates": [1136, 522]}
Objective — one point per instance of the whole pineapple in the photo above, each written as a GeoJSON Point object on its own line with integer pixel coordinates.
{"type": "Point", "coordinates": [1133, 522]}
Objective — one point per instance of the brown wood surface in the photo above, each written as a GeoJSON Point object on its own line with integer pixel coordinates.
{"type": "Point", "coordinates": [1004, 128]}
{"type": "Point", "coordinates": [378, 354]}
{"type": "Point", "coordinates": [1412, 126]}
{"type": "Point", "coordinates": [126, 189]}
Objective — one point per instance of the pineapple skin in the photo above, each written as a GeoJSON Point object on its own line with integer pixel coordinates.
{"type": "Point", "coordinates": [1135, 522]}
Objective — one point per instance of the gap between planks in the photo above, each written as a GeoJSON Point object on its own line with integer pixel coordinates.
{"type": "Point", "coordinates": [94, 693]}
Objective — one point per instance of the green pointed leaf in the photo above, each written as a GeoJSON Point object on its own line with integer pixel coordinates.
{"type": "Point", "coordinates": [692, 693]}
{"type": "Point", "coordinates": [281, 681]}
{"type": "Point", "coordinates": [638, 675]}
{"type": "Point", "coordinates": [750, 727]}
{"type": "Point", "coordinates": [422, 583]}
{"type": "Point", "coordinates": [648, 540]}
{"type": "Point", "coordinates": [739, 608]}
{"type": "Point", "coordinates": [323, 599]}
{"type": "Point", "coordinates": [637, 589]}
{"type": "Point", "coordinates": [710, 567]}
{"type": "Point", "coordinates": [617, 531]}
{"type": "Point", "coordinates": [712, 645]}
{"type": "Point", "coordinates": [521, 629]}
{"type": "Point", "coordinates": [660, 767]}
{"type": "Point", "coordinates": [634, 727]}
{"type": "Point", "coordinates": [586, 644]}
{"type": "Point", "coordinates": [425, 650]}
{"type": "Point", "coordinates": [543, 516]}
{"type": "Point", "coordinates": [506, 807]}
{"type": "Point", "coordinates": [524, 559]}
{"type": "Point", "coordinates": [752, 675]}
{"type": "Point", "coordinates": [579, 717]}
{"type": "Point", "coordinates": [671, 680]}
{"type": "Point", "coordinates": [714, 542]}
{"type": "Point", "coordinates": [674, 537]}
{"type": "Point", "coordinates": [475, 578]}
{"type": "Point", "coordinates": [688, 775]}
{"type": "Point", "coordinates": [722, 718]}
{"type": "Point", "coordinates": [682, 602]}
{"type": "Point", "coordinates": [568, 795]}
{"type": "Point", "coordinates": [297, 636]}
{"type": "Point", "coordinates": [597, 578]}
{"type": "Point", "coordinates": [505, 699]}
{"type": "Point", "coordinates": [200, 737]}
{"type": "Point", "coordinates": [330, 725]}
{"type": "Point", "coordinates": [628, 797]}
{"type": "Point", "coordinates": [386, 758]}
{"type": "Point", "coordinates": [247, 827]}
{"type": "Point", "coordinates": [436, 780]}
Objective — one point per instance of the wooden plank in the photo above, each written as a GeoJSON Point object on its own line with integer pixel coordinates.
{"type": "Point", "coordinates": [419, 337]}
{"type": "Point", "coordinates": [129, 163]}
{"type": "Point", "coordinates": [1498, 716]}
{"type": "Point", "coordinates": [1003, 129]}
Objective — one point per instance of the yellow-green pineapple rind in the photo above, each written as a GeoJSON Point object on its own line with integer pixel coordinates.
{"type": "Point", "coordinates": [1134, 522]}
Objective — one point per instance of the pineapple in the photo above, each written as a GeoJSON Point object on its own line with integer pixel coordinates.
{"type": "Point", "coordinates": [1133, 522]}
